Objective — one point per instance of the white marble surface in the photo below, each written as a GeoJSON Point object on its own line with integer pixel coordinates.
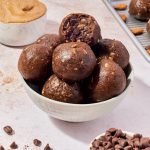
{"type": "Point", "coordinates": [29, 122]}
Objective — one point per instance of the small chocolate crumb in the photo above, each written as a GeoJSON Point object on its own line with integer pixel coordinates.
{"type": "Point", "coordinates": [47, 147]}
{"type": "Point", "coordinates": [9, 130]}
{"type": "Point", "coordinates": [14, 145]}
{"type": "Point", "coordinates": [1, 147]}
{"type": "Point", "coordinates": [37, 142]}
{"type": "Point", "coordinates": [25, 147]}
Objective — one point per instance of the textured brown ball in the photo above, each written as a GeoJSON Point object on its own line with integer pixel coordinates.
{"type": "Point", "coordinates": [73, 61]}
{"type": "Point", "coordinates": [148, 26]}
{"type": "Point", "coordinates": [108, 80]}
{"type": "Point", "coordinates": [35, 62]}
{"type": "Point", "coordinates": [81, 28]}
{"type": "Point", "coordinates": [51, 41]}
{"type": "Point", "coordinates": [59, 90]}
{"type": "Point", "coordinates": [140, 9]}
{"type": "Point", "coordinates": [114, 50]}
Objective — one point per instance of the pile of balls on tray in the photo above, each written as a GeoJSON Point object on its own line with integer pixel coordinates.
{"type": "Point", "coordinates": [77, 66]}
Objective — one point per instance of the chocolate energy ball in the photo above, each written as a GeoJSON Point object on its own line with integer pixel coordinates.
{"type": "Point", "coordinates": [59, 90]}
{"type": "Point", "coordinates": [114, 50]}
{"type": "Point", "coordinates": [35, 63]}
{"type": "Point", "coordinates": [108, 80]}
{"type": "Point", "coordinates": [73, 61]}
{"type": "Point", "coordinates": [51, 41]}
{"type": "Point", "coordinates": [81, 28]}
{"type": "Point", "coordinates": [140, 9]}
{"type": "Point", "coordinates": [148, 26]}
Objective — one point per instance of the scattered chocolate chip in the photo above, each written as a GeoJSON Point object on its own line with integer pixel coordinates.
{"type": "Point", "coordinates": [37, 142]}
{"type": "Point", "coordinates": [47, 147]}
{"type": "Point", "coordinates": [1, 147]}
{"type": "Point", "coordinates": [9, 130]}
{"type": "Point", "coordinates": [14, 145]}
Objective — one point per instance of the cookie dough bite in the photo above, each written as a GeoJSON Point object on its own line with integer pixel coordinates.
{"type": "Point", "coordinates": [59, 90]}
{"type": "Point", "coordinates": [35, 63]}
{"type": "Point", "coordinates": [108, 80]}
{"type": "Point", "coordinates": [80, 27]}
{"type": "Point", "coordinates": [148, 26]}
{"type": "Point", "coordinates": [140, 9]}
{"type": "Point", "coordinates": [113, 49]}
{"type": "Point", "coordinates": [73, 61]}
{"type": "Point", "coordinates": [51, 41]}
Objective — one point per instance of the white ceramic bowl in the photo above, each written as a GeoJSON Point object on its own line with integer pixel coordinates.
{"type": "Point", "coordinates": [20, 34]}
{"type": "Point", "coordinates": [128, 133]}
{"type": "Point", "coordinates": [76, 112]}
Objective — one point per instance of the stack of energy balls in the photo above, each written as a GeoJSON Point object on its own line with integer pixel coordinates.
{"type": "Point", "coordinates": [77, 66]}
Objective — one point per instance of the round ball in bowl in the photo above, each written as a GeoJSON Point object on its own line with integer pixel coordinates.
{"type": "Point", "coordinates": [140, 9]}
{"type": "Point", "coordinates": [73, 61]}
{"type": "Point", "coordinates": [56, 89]}
{"type": "Point", "coordinates": [76, 112]}
{"type": "Point", "coordinates": [35, 63]}
{"type": "Point", "coordinates": [80, 27]}
{"type": "Point", "coordinates": [51, 41]}
{"type": "Point", "coordinates": [114, 50]}
{"type": "Point", "coordinates": [108, 80]}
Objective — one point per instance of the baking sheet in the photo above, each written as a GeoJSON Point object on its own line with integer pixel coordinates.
{"type": "Point", "coordinates": [141, 41]}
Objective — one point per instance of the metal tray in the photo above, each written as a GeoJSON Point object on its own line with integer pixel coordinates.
{"type": "Point", "coordinates": [140, 41]}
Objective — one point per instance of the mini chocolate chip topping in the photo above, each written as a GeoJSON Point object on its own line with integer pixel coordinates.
{"type": "Point", "coordinates": [37, 142]}
{"type": "Point", "coordinates": [14, 145]}
{"type": "Point", "coordinates": [9, 130]}
{"type": "Point", "coordinates": [47, 147]}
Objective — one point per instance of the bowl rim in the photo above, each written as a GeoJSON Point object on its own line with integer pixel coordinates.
{"type": "Point", "coordinates": [131, 77]}
{"type": "Point", "coordinates": [102, 134]}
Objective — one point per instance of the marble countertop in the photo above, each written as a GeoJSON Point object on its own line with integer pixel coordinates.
{"type": "Point", "coordinates": [29, 122]}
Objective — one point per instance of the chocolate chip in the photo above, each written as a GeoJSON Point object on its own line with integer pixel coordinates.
{"type": "Point", "coordinates": [101, 148]}
{"type": "Point", "coordinates": [115, 141]}
{"type": "Point", "coordinates": [112, 131]}
{"type": "Point", "coordinates": [118, 133]}
{"type": "Point", "coordinates": [123, 143]}
{"type": "Point", "coordinates": [1, 147]}
{"type": "Point", "coordinates": [37, 142]}
{"type": "Point", "coordinates": [9, 130]}
{"type": "Point", "coordinates": [14, 145]}
{"type": "Point", "coordinates": [145, 142]}
{"type": "Point", "coordinates": [47, 147]}
{"type": "Point", "coordinates": [128, 148]}
{"type": "Point", "coordinates": [96, 143]}
{"type": "Point", "coordinates": [118, 146]}
{"type": "Point", "coordinates": [109, 145]}
{"type": "Point", "coordinates": [137, 136]}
